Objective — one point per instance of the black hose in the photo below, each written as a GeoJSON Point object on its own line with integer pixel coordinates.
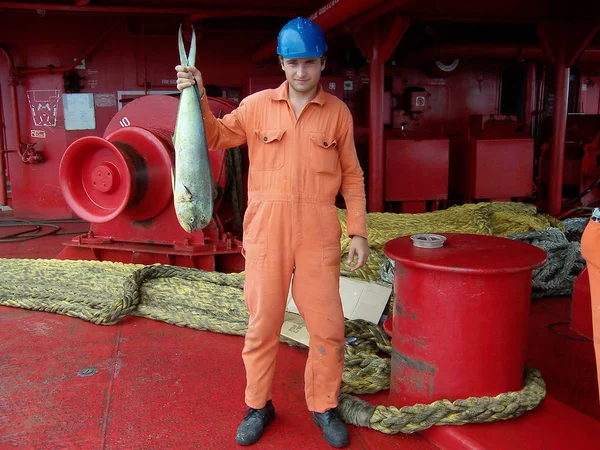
{"type": "Point", "coordinates": [37, 226]}
{"type": "Point", "coordinates": [233, 160]}
{"type": "Point", "coordinates": [581, 194]}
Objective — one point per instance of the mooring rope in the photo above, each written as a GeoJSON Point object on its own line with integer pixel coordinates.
{"type": "Point", "coordinates": [104, 293]}
{"type": "Point", "coordinates": [410, 419]}
{"type": "Point", "coordinates": [492, 219]}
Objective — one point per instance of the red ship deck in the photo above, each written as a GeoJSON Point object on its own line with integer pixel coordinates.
{"type": "Point", "coordinates": [160, 386]}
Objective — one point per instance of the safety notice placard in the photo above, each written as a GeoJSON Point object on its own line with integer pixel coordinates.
{"type": "Point", "coordinates": [79, 111]}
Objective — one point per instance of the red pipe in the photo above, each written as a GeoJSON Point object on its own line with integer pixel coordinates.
{"type": "Point", "coordinates": [201, 12]}
{"type": "Point", "coordinates": [530, 95]}
{"type": "Point", "coordinates": [377, 42]}
{"type": "Point", "coordinates": [16, 125]}
{"type": "Point", "coordinates": [327, 17]}
{"type": "Point", "coordinates": [376, 155]}
{"type": "Point", "coordinates": [559, 125]}
{"type": "Point", "coordinates": [3, 191]}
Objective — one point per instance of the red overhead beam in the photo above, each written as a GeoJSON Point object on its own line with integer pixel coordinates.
{"type": "Point", "coordinates": [80, 7]}
{"type": "Point", "coordinates": [329, 16]}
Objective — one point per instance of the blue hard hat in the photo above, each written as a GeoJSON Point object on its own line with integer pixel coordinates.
{"type": "Point", "coordinates": [301, 38]}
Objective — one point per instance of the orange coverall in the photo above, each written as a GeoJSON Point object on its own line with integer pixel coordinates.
{"type": "Point", "coordinates": [590, 250]}
{"type": "Point", "coordinates": [297, 167]}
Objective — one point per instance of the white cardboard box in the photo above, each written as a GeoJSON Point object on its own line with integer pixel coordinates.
{"type": "Point", "coordinates": [360, 300]}
{"type": "Point", "coordinates": [294, 328]}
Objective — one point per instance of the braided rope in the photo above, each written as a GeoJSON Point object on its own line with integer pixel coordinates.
{"type": "Point", "coordinates": [106, 292]}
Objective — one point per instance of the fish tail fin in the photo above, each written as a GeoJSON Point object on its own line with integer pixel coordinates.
{"type": "Point", "coordinates": [192, 55]}
{"type": "Point", "coordinates": [182, 56]}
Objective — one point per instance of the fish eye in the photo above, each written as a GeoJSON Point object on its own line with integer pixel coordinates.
{"type": "Point", "coordinates": [191, 220]}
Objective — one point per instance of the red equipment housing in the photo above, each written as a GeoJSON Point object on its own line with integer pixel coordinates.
{"type": "Point", "coordinates": [581, 163]}
{"type": "Point", "coordinates": [121, 183]}
{"type": "Point", "coordinates": [494, 161]}
{"type": "Point", "coordinates": [416, 169]}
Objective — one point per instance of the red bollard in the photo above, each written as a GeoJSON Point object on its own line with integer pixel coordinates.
{"type": "Point", "coordinates": [460, 316]}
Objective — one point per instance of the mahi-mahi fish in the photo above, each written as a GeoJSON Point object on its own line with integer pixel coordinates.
{"type": "Point", "coordinates": [192, 179]}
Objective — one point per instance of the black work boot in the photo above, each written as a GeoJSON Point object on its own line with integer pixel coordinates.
{"type": "Point", "coordinates": [334, 430]}
{"type": "Point", "coordinates": [254, 424]}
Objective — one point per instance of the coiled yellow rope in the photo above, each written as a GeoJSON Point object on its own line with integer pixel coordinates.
{"type": "Point", "coordinates": [367, 373]}
{"type": "Point", "coordinates": [494, 219]}
{"type": "Point", "coordinates": [105, 292]}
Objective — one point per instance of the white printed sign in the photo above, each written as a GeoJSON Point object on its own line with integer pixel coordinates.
{"type": "Point", "coordinates": [79, 110]}
{"type": "Point", "coordinates": [40, 134]}
{"type": "Point", "coordinates": [105, 100]}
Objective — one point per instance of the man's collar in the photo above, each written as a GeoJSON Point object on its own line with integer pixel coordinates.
{"type": "Point", "coordinates": [282, 93]}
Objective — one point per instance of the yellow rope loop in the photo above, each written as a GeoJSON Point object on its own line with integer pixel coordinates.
{"type": "Point", "coordinates": [105, 292]}
{"type": "Point", "coordinates": [369, 272]}
{"type": "Point", "coordinates": [361, 346]}
{"type": "Point", "coordinates": [359, 328]}
{"type": "Point", "coordinates": [60, 282]}
{"type": "Point", "coordinates": [132, 286]}
{"type": "Point", "coordinates": [410, 419]}
{"type": "Point", "coordinates": [217, 278]}
{"type": "Point", "coordinates": [370, 333]}
{"type": "Point", "coordinates": [497, 219]}
{"type": "Point", "coordinates": [510, 222]}
{"type": "Point", "coordinates": [365, 373]}
{"type": "Point", "coordinates": [196, 299]}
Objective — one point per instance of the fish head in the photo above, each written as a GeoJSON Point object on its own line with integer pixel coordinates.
{"type": "Point", "coordinates": [187, 216]}
{"type": "Point", "coordinates": [191, 216]}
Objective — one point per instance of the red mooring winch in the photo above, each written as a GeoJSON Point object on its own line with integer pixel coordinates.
{"type": "Point", "coordinates": [121, 183]}
{"type": "Point", "coordinates": [460, 316]}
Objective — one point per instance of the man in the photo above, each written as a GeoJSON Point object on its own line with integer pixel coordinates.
{"type": "Point", "coordinates": [590, 250]}
{"type": "Point", "coordinates": [301, 151]}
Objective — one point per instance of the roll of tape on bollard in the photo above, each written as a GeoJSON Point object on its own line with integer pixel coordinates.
{"type": "Point", "coordinates": [428, 240]}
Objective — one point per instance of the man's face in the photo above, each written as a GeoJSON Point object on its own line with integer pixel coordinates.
{"type": "Point", "coordinates": [303, 74]}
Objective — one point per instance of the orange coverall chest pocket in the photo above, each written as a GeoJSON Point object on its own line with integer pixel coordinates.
{"type": "Point", "coordinates": [323, 155]}
{"type": "Point", "coordinates": [269, 153]}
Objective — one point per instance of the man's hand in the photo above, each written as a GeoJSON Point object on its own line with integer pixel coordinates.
{"type": "Point", "coordinates": [187, 76]}
{"type": "Point", "coordinates": [359, 247]}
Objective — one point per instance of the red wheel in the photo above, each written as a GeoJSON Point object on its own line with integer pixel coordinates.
{"type": "Point", "coordinates": [152, 162]}
{"type": "Point", "coordinates": [95, 179]}
{"type": "Point", "coordinates": [127, 174]}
